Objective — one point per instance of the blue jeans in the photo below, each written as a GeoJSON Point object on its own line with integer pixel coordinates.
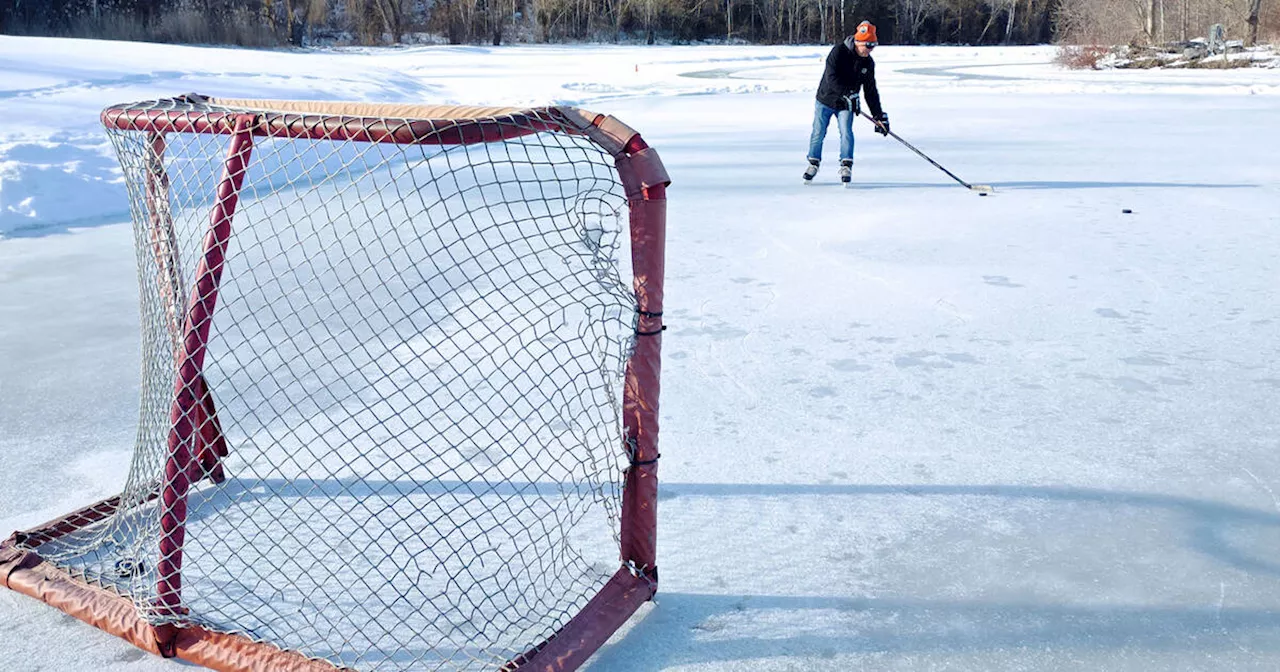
{"type": "Point", "coordinates": [821, 119]}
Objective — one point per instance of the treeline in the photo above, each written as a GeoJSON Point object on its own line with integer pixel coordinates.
{"type": "Point", "coordinates": [1141, 22]}
{"type": "Point", "coordinates": [372, 22]}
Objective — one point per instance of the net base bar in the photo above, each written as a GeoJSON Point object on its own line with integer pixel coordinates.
{"type": "Point", "coordinates": [25, 572]}
{"type": "Point", "coordinates": [591, 628]}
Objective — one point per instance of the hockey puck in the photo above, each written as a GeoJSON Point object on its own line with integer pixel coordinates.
{"type": "Point", "coordinates": [1127, 211]}
{"type": "Point", "coordinates": [982, 193]}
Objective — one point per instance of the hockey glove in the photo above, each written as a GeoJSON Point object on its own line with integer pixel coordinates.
{"type": "Point", "coordinates": [882, 124]}
{"type": "Point", "coordinates": [854, 102]}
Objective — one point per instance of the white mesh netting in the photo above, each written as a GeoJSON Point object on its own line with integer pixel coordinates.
{"type": "Point", "coordinates": [416, 365]}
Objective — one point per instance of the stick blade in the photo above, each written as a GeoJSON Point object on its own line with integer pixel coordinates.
{"type": "Point", "coordinates": [982, 189]}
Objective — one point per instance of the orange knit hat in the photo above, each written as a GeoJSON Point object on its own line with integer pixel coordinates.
{"type": "Point", "coordinates": [866, 33]}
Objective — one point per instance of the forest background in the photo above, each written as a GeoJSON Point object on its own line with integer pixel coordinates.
{"type": "Point", "coordinates": [268, 23]}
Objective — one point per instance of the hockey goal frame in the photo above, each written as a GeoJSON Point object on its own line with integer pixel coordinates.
{"type": "Point", "coordinates": [194, 434]}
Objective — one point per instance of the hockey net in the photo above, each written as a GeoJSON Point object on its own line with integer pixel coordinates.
{"type": "Point", "coordinates": [399, 387]}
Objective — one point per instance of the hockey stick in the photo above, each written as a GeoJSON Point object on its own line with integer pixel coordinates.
{"type": "Point", "coordinates": [982, 189]}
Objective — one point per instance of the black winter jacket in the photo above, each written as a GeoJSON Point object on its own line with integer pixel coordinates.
{"type": "Point", "coordinates": [845, 74]}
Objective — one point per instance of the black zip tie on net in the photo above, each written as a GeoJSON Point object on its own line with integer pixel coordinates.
{"type": "Point", "coordinates": [645, 313]}
{"type": "Point", "coordinates": [632, 449]}
{"type": "Point", "coordinates": [648, 574]}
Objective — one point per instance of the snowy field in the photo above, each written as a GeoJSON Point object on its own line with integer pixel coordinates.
{"type": "Point", "coordinates": [904, 427]}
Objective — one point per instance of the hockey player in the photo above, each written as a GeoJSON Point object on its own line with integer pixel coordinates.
{"type": "Point", "coordinates": [850, 71]}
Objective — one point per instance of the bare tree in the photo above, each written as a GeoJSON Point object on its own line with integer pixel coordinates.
{"type": "Point", "coordinates": [297, 15]}
{"type": "Point", "coordinates": [394, 15]}
{"type": "Point", "coordinates": [615, 11]}
{"type": "Point", "coordinates": [1098, 21]}
{"type": "Point", "coordinates": [649, 36]}
{"type": "Point", "coordinates": [1254, 11]}
{"type": "Point", "coordinates": [911, 15]}
{"type": "Point", "coordinates": [994, 9]}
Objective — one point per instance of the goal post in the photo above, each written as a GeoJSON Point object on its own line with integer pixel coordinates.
{"type": "Point", "coordinates": [400, 385]}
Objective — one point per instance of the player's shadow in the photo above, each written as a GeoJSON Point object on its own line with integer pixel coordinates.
{"type": "Point", "coordinates": [1056, 184]}
{"type": "Point", "coordinates": [1205, 521]}
{"type": "Point", "coordinates": [696, 628]}
{"type": "Point", "coordinates": [1098, 184]}
{"type": "Point", "coordinates": [688, 629]}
